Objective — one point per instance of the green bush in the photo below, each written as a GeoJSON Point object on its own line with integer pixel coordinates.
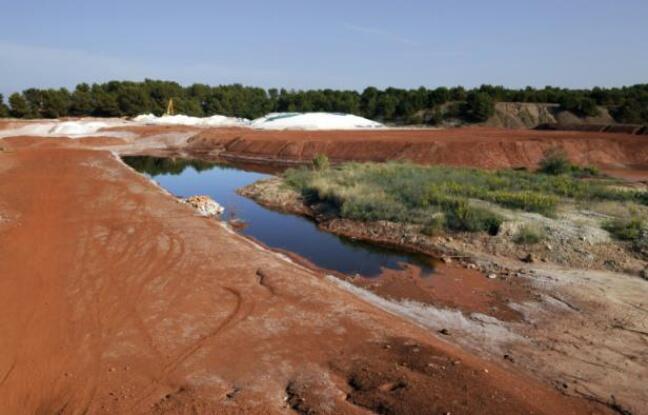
{"type": "Point", "coordinates": [529, 235]}
{"type": "Point", "coordinates": [626, 229]}
{"type": "Point", "coordinates": [464, 217]}
{"type": "Point", "coordinates": [434, 226]}
{"type": "Point", "coordinates": [555, 162]}
{"type": "Point", "coordinates": [321, 162]}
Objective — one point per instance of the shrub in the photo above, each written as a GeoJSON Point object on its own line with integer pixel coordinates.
{"type": "Point", "coordinates": [434, 226]}
{"type": "Point", "coordinates": [321, 162]}
{"type": "Point", "coordinates": [554, 162]}
{"type": "Point", "coordinates": [529, 235]}
{"type": "Point", "coordinates": [626, 229]}
{"type": "Point", "coordinates": [464, 217]}
{"type": "Point", "coordinates": [479, 106]}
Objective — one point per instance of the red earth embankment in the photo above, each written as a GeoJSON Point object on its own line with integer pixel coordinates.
{"type": "Point", "coordinates": [479, 147]}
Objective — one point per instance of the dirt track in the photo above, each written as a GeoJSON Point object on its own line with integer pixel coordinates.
{"type": "Point", "coordinates": [116, 299]}
{"type": "Point", "coordinates": [478, 147]}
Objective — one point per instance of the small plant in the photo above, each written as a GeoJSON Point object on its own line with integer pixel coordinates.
{"type": "Point", "coordinates": [434, 226]}
{"type": "Point", "coordinates": [464, 217]}
{"type": "Point", "coordinates": [554, 162]}
{"type": "Point", "coordinates": [626, 229]}
{"type": "Point", "coordinates": [529, 235]}
{"type": "Point", "coordinates": [321, 162]}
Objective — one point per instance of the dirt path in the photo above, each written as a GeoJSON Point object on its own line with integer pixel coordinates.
{"type": "Point", "coordinates": [116, 299]}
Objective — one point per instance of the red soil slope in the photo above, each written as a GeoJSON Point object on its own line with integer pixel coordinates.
{"type": "Point", "coordinates": [116, 299]}
{"type": "Point", "coordinates": [480, 147]}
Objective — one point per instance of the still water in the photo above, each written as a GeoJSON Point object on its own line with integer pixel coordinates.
{"type": "Point", "coordinates": [277, 230]}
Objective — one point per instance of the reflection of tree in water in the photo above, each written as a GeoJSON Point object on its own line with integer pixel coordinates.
{"type": "Point", "coordinates": [427, 263]}
{"type": "Point", "coordinates": [379, 255]}
{"type": "Point", "coordinates": [155, 166]}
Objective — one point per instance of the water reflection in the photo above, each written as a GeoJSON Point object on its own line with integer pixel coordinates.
{"type": "Point", "coordinates": [275, 229]}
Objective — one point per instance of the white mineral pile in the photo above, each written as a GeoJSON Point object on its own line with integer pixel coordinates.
{"type": "Point", "coordinates": [72, 129]}
{"type": "Point", "coordinates": [213, 121]}
{"type": "Point", "coordinates": [313, 121]}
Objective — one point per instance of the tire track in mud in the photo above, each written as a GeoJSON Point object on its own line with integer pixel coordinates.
{"type": "Point", "coordinates": [127, 259]}
{"type": "Point", "coordinates": [173, 364]}
{"type": "Point", "coordinates": [8, 373]}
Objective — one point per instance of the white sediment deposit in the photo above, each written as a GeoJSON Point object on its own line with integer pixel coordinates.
{"type": "Point", "coordinates": [313, 121]}
{"type": "Point", "coordinates": [56, 128]}
{"type": "Point", "coordinates": [213, 121]}
{"type": "Point", "coordinates": [88, 127]}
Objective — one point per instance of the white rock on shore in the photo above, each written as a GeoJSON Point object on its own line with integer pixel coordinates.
{"type": "Point", "coordinates": [205, 205]}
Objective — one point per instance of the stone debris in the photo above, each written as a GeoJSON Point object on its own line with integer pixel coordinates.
{"type": "Point", "coordinates": [205, 205]}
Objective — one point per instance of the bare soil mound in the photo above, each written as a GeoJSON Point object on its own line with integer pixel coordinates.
{"type": "Point", "coordinates": [478, 147]}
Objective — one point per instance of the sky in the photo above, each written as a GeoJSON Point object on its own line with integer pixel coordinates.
{"type": "Point", "coordinates": [325, 44]}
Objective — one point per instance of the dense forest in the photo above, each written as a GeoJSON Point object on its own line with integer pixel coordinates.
{"type": "Point", "coordinates": [392, 105]}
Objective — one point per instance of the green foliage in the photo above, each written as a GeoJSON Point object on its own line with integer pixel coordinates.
{"type": "Point", "coordinates": [480, 106]}
{"type": "Point", "coordinates": [463, 217]}
{"type": "Point", "coordinates": [394, 105]}
{"type": "Point", "coordinates": [155, 166]}
{"type": "Point", "coordinates": [321, 162]}
{"type": "Point", "coordinates": [579, 104]}
{"type": "Point", "coordinates": [19, 106]}
{"type": "Point", "coordinates": [435, 225]}
{"type": "Point", "coordinates": [4, 109]}
{"type": "Point", "coordinates": [626, 229]}
{"type": "Point", "coordinates": [405, 192]}
{"type": "Point", "coordinates": [556, 162]}
{"type": "Point", "coordinates": [529, 235]}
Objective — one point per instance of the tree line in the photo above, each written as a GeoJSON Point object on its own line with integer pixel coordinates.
{"type": "Point", "coordinates": [391, 105]}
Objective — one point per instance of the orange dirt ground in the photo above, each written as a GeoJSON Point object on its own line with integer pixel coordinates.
{"type": "Point", "coordinates": [116, 299]}
{"type": "Point", "coordinates": [478, 147]}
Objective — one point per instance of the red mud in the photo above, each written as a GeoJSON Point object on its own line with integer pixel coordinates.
{"type": "Point", "coordinates": [116, 299]}
{"type": "Point", "coordinates": [477, 147]}
{"type": "Point", "coordinates": [454, 287]}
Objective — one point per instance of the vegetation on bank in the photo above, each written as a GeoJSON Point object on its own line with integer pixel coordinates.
{"type": "Point", "coordinates": [439, 197]}
{"type": "Point", "coordinates": [115, 98]}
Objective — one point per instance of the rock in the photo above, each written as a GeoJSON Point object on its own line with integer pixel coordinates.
{"type": "Point", "coordinates": [644, 274]}
{"type": "Point", "coordinates": [471, 266]}
{"type": "Point", "coordinates": [205, 205]}
{"type": "Point", "coordinates": [446, 260]}
{"type": "Point", "coordinates": [549, 247]}
{"type": "Point", "coordinates": [530, 258]}
{"type": "Point", "coordinates": [445, 332]}
{"type": "Point", "coordinates": [492, 276]}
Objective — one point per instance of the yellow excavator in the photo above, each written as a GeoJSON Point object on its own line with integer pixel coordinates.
{"type": "Point", "coordinates": [170, 110]}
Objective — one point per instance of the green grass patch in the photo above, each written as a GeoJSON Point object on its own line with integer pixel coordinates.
{"type": "Point", "coordinates": [410, 193]}
{"type": "Point", "coordinates": [626, 229]}
{"type": "Point", "coordinates": [529, 235]}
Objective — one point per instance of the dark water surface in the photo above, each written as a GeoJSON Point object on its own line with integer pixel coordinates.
{"type": "Point", "coordinates": [277, 230]}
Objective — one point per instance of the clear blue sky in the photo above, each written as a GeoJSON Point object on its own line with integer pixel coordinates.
{"type": "Point", "coordinates": [316, 44]}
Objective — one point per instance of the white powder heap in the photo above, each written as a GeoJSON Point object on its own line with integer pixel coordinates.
{"type": "Point", "coordinates": [313, 121]}
{"type": "Point", "coordinates": [213, 121]}
{"type": "Point", "coordinates": [72, 129]}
